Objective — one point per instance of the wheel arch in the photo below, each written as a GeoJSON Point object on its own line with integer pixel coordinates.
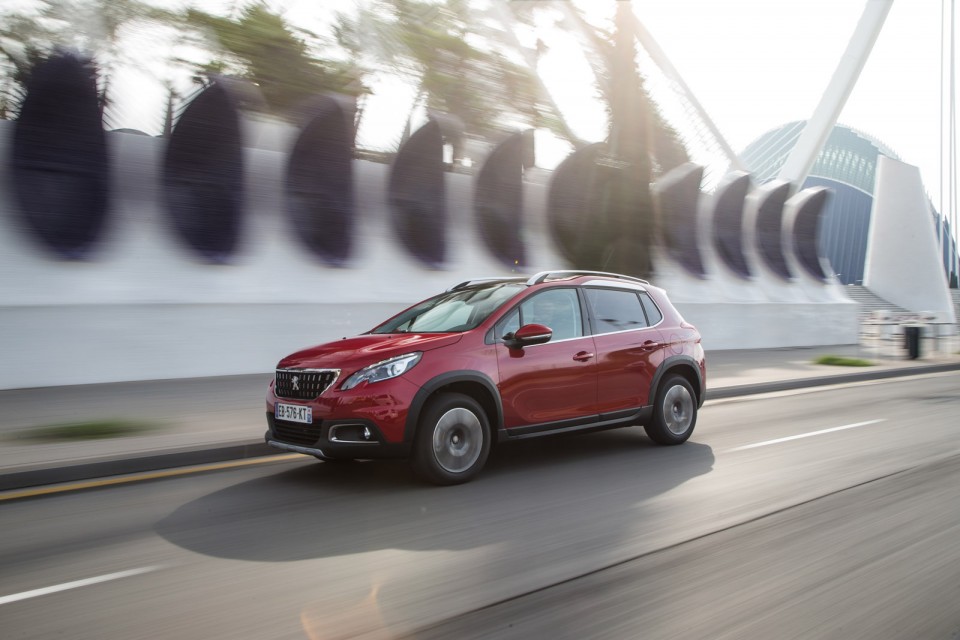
{"type": "Point", "coordinates": [684, 366]}
{"type": "Point", "coordinates": [470, 383]}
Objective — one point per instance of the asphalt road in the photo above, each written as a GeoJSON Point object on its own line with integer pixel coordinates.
{"type": "Point", "coordinates": [747, 531]}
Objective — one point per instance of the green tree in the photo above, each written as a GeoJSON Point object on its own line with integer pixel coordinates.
{"type": "Point", "coordinates": [93, 27]}
{"type": "Point", "coordinates": [14, 71]}
{"type": "Point", "coordinates": [640, 145]}
{"type": "Point", "coordinates": [627, 204]}
{"type": "Point", "coordinates": [260, 46]}
{"type": "Point", "coordinates": [457, 67]}
{"type": "Point", "coordinates": [611, 69]}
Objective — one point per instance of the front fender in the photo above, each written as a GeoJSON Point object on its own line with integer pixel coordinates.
{"type": "Point", "coordinates": [453, 378]}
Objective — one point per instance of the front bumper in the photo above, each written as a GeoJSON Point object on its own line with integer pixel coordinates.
{"type": "Point", "coordinates": [348, 438]}
{"type": "Point", "coordinates": [365, 422]}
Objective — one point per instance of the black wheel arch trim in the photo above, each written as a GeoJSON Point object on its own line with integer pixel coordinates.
{"type": "Point", "coordinates": [446, 379]}
{"type": "Point", "coordinates": [672, 362]}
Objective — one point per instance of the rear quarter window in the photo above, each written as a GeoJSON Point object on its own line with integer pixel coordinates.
{"type": "Point", "coordinates": [654, 315]}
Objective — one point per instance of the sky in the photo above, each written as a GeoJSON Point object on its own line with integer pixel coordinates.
{"type": "Point", "coordinates": [753, 64]}
{"type": "Point", "coordinates": [757, 64]}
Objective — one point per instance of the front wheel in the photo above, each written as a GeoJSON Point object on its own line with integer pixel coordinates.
{"type": "Point", "coordinates": [675, 412]}
{"type": "Point", "coordinates": [452, 441]}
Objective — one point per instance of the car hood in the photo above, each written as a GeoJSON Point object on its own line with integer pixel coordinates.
{"type": "Point", "coordinates": [355, 353]}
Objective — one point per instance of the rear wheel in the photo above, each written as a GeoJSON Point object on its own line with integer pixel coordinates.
{"type": "Point", "coordinates": [452, 441]}
{"type": "Point", "coordinates": [674, 413]}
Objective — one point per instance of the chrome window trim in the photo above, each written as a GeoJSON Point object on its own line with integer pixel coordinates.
{"type": "Point", "coordinates": [610, 333]}
{"type": "Point", "coordinates": [592, 335]}
{"type": "Point", "coordinates": [534, 346]}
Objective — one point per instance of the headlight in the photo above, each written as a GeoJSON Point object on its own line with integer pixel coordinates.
{"type": "Point", "coordinates": [383, 370]}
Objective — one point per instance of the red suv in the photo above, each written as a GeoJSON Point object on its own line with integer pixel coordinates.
{"type": "Point", "coordinates": [494, 360]}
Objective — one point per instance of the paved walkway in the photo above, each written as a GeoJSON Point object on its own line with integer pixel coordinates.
{"type": "Point", "coordinates": [212, 419]}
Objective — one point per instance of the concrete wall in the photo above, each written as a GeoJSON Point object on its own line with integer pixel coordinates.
{"type": "Point", "coordinates": [903, 257]}
{"type": "Point", "coordinates": [146, 308]}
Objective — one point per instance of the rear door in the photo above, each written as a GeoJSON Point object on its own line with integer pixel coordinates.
{"type": "Point", "coordinates": [629, 349]}
{"type": "Point", "coordinates": [550, 385]}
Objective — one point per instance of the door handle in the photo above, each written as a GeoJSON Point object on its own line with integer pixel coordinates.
{"type": "Point", "coordinates": [583, 356]}
{"type": "Point", "coordinates": [650, 344]}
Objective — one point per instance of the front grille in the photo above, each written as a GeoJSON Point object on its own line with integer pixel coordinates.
{"type": "Point", "coordinates": [304, 384]}
{"type": "Point", "coordinates": [305, 435]}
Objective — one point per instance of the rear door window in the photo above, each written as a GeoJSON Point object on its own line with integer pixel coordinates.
{"type": "Point", "coordinates": [615, 310]}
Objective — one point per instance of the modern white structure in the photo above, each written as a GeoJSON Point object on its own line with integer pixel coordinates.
{"type": "Point", "coordinates": [217, 251]}
{"type": "Point", "coordinates": [835, 96]}
{"type": "Point", "coordinates": [143, 306]}
{"type": "Point", "coordinates": [903, 264]}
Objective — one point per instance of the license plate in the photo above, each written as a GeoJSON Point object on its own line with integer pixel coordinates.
{"type": "Point", "coordinates": [293, 413]}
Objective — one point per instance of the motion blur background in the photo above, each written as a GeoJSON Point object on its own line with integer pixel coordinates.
{"type": "Point", "coordinates": [268, 176]}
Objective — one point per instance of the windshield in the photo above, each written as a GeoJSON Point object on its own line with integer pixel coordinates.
{"type": "Point", "coordinates": [452, 311]}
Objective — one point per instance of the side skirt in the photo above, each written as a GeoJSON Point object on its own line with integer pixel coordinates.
{"type": "Point", "coordinates": [602, 422]}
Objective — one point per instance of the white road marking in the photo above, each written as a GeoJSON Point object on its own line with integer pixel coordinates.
{"type": "Point", "coordinates": [73, 585]}
{"type": "Point", "coordinates": [807, 435]}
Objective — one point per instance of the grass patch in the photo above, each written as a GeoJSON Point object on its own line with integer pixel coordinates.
{"type": "Point", "coordinates": [92, 430]}
{"type": "Point", "coordinates": [842, 361]}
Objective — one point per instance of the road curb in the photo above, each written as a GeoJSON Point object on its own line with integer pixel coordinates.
{"type": "Point", "coordinates": [735, 391]}
{"type": "Point", "coordinates": [39, 476]}
{"type": "Point", "coordinates": [104, 467]}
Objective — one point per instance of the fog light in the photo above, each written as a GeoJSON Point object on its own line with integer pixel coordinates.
{"type": "Point", "coordinates": [356, 433]}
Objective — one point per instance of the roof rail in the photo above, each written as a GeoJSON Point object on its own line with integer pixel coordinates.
{"type": "Point", "coordinates": [543, 275]}
{"type": "Point", "coordinates": [467, 283]}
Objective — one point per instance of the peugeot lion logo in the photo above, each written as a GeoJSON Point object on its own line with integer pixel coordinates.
{"type": "Point", "coordinates": [296, 383]}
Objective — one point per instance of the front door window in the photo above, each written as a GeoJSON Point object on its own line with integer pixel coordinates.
{"type": "Point", "coordinates": [558, 309]}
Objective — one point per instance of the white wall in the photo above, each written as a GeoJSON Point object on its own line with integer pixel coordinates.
{"type": "Point", "coordinates": [145, 308]}
{"type": "Point", "coordinates": [903, 257]}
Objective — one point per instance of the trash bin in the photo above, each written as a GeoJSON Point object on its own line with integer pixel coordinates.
{"type": "Point", "coordinates": [911, 340]}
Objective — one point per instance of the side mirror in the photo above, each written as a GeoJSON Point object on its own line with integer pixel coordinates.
{"type": "Point", "coordinates": [528, 334]}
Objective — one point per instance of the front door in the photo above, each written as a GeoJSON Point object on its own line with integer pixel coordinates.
{"type": "Point", "coordinates": [552, 384]}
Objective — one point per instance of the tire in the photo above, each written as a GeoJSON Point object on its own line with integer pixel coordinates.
{"type": "Point", "coordinates": [674, 413]}
{"type": "Point", "coordinates": [452, 441]}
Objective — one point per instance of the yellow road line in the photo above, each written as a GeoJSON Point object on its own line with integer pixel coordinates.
{"type": "Point", "coordinates": [146, 475]}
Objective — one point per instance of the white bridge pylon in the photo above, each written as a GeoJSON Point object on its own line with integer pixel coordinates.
{"type": "Point", "coordinates": [845, 77]}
